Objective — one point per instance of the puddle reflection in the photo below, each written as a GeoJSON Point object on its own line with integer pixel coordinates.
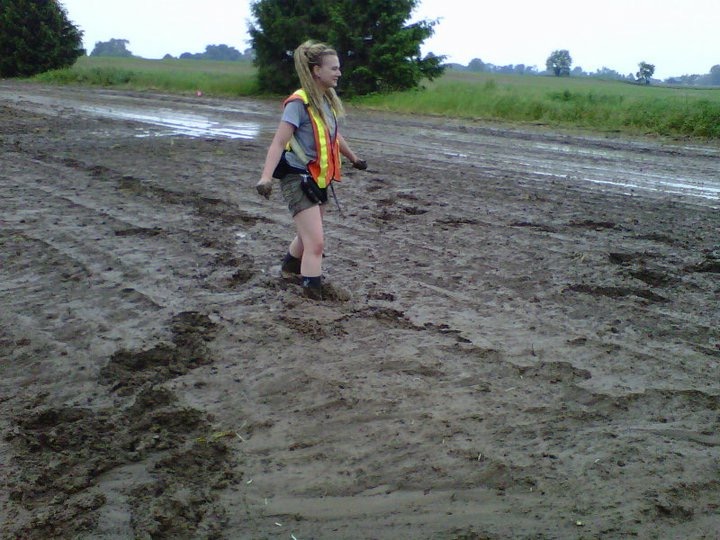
{"type": "Point", "coordinates": [172, 124]}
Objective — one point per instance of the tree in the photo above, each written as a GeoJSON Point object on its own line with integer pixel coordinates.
{"type": "Point", "coordinates": [36, 36]}
{"type": "Point", "coordinates": [715, 75]}
{"type": "Point", "coordinates": [645, 72]}
{"type": "Point", "coordinates": [215, 52]}
{"type": "Point", "coordinates": [559, 63]}
{"type": "Point", "coordinates": [378, 51]}
{"type": "Point", "coordinates": [115, 47]}
{"type": "Point", "coordinates": [607, 73]}
{"type": "Point", "coordinates": [476, 65]}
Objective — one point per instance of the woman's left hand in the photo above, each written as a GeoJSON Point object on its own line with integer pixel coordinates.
{"type": "Point", "coordinates": [264, 187]}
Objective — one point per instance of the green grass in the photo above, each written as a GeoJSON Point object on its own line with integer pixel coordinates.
{"type": "Point", "coordinates": [564, 102]}
{"type": "Point", "coordinates": [593, 104]}
{"type": "Point", "coordinates": [183, 76]}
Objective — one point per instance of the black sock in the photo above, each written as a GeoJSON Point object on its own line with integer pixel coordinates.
{"type": "Point", "coordinates": [315, 282]}
{"type": "Point", "coordinates": [291, 264]}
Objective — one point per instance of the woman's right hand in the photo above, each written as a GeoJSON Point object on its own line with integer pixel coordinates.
{"type": "Point", "coordinates": [264, 187]}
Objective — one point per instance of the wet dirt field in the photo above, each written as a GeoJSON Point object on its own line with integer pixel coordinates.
{"type": "Point", "coordinates": [530, 348]}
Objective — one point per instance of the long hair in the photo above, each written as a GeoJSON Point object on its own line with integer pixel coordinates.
{"type": "Point", "coordinates": [307, 55]}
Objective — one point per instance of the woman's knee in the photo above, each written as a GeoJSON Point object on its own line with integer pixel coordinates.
{"type": "Point", "coordinates": [314, 246]}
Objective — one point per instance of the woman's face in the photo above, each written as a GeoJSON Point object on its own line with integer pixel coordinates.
{"type": "Point", "coordinates": [327, 74]}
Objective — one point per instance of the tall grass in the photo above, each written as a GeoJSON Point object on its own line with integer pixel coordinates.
{"type": "Point", "coordinates": [569, 102]}
{"type": "Point", "coordinates": [610, 106]}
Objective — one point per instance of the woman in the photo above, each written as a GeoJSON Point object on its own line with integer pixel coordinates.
{"type": "Point", "coordinates": [305, 156]}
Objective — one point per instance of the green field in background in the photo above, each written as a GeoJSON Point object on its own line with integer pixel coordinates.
{"type": "Point", "coordinates": [587, 103]}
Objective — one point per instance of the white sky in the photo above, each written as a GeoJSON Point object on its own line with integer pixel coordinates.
{"type": "Point", "coordinates": [678, 36]}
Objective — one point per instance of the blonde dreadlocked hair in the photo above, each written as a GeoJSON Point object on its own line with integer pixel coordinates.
{"type": "Point", "coordinates": [307, 55]}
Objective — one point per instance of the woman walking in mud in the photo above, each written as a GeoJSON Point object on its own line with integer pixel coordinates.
{"type": "Point", "coordinates": [305, 156]}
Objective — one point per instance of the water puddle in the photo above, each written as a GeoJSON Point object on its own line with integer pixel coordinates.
{"type": "Point", "coordinates": [172, 123]}
{"type": "Point", "coordinates": [675, 187]}
{"type": "Point", "coordinates": [657, 184]}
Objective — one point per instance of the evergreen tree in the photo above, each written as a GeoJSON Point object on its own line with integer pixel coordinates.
{"type": "Point", "coordinates": [36, 36]}
{"type": "Point", "coordinates": [378, 51]}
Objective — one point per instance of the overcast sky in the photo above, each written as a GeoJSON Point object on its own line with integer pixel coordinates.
{"type": "Point", "coordinates": [678, 36]}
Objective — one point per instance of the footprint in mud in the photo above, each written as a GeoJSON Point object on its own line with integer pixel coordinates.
{"type": "Point", "coordinates": [390, 317]}
{"type": "Point", "coordinates": [594, 225]}
{"type": "Point", "coordinates": [414, 210]}
{"type": "Point", "coordinates": [376, 184]}
{"type": "Point", "coordinates": [626, 258]}
{"type": "Point", "coordinates": [224, 211]}
{"type": "Point", "coordinates": [60, 455]}
{"type": "Point", "coordinates": [387, 215]}
{"type": "Point", "coordinates": [142, 232]}
{"type": "Point", "coordinates": [306, 327]}
{"type": "Point", "coordinates": [335, 293]}
{"type": "Point", "coordinates": [399, 212]}
{"type": "Point", "coordinates": [615, 292]}
{"type": "Point", "coordinates": [662, 406]}
{"type": "Point", "coordinates": [231, 271]}
{"type": "Point", "coordinates": [456, 221]}
{"type": "Point", "coordinates": [709, 265]}
{"type": "Point", "coordinates": [660, 238]}
{"type": "Point", "coordinates": [181, 501]}
{"type": "Point", "coordinates": [556, 372]}
{"type": "Point", "coordinates": [57, 455]}
{"type": "Point", "coordinates": [654, 278]}
{"type": "Point", "coordinates": [128, 370]}
{"type": "Point", "coordinates": [681, 501]}
{"type": "Point", "coordinates": [290, 283]}
{"type": "Point", "coordinates": [381, 295]}
{"type": "Point", "coordinates": [537, 226]}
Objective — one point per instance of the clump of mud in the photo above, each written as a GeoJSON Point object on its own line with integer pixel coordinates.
{"type": "Point", "coordinates": [61, 453]}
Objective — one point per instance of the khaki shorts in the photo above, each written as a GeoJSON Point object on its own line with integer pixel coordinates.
{"type": "Point", "coordinates": [294, 196]}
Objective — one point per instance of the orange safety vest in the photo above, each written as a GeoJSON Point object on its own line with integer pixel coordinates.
{"type": "Point", "coordinates": [326, 167]}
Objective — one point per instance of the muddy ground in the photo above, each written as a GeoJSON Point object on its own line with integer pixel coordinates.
{"type": "Point", "coordinates": [530, 349]}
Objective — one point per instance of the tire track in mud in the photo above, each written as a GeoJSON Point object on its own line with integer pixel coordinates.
{"type": "Point", "coordinates": [334, 394]}
{"type": "Point", "coordinates": [86, 443]}
{"type": "Point", "coordinates": [470, 294]}
{"type": "Point", "coordinates": [186, 463]}
{"type": "Point", "coordinates": [112, 254]}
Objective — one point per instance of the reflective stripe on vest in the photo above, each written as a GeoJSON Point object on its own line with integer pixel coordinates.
{"type": "Point", "coordinates": [326, 167]}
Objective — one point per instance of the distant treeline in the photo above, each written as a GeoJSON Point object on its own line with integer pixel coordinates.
{"type": "Point", "coordinates": [478, 66]}
{"type": "Point", "coordinates": [118, 48]}
{"type": "Point", "coordinates": [218, 52]}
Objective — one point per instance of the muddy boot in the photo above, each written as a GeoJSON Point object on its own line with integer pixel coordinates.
{"type": "Point", "coordinates": [312, 288]}
{"type": "Point", "coordinates": [335, 293]}
{"type": "Point", "coordinates": [290, 265]}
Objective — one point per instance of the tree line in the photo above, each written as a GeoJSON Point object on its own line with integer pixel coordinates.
{"type": "Point", "coordinates": [118, 48]}
{"type": "Point", "coordinates": [559, 63]}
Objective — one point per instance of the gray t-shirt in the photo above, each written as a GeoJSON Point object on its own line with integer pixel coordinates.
{"type": "Point", "coordinates": [296, 114]}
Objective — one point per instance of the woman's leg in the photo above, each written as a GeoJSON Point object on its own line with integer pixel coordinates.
{"type": "Point", "coordinates": [310, 238]}
{"type": "Point", "coordinates": [296, 247]}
